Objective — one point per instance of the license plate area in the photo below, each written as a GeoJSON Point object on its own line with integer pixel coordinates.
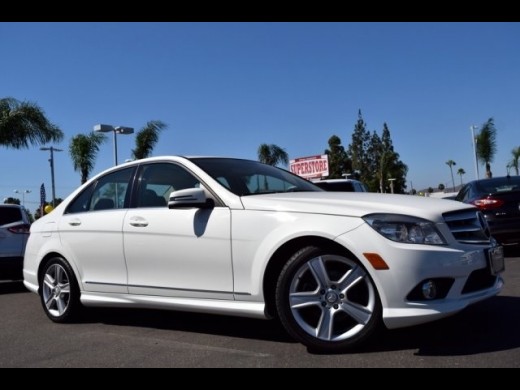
{"type": "Point", "coordinates": [496, 260]}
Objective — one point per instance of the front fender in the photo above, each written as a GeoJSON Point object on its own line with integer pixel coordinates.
{"type": "Point", "coordinates": [257, 235]}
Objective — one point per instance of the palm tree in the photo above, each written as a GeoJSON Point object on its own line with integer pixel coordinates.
{"type": "Point", "coordinates": [147, 138]}
{"type": "Point", "coordinates": [487, 145]}
{"type": "Point", "coordinates": [83, 150]}
{"type": "Point", "coordinates": [23, 124]}
{"type": "Point", "coordinates": [272, 155]}
{"type": "Point", "coordinates": [461, 172]}
{"type": "Point", "coordinates": [451, 164]}
{"type": "Point", "coordinates": [516, 159]}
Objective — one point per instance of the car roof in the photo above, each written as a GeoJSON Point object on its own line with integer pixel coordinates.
{"type": "Point", "coordinates": [498, 179]}
{"type": "Point", "coordinates": [337, 181]}
{"type": "Point", "coordinates": [12, 206]}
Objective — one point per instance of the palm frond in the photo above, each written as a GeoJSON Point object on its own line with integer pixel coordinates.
{"type": "Point", "coordinates": [23, 124]}
{"type": "Point", "coordinates": [83, 150]}
{"type": "Point", "coordinates": [147, 138]}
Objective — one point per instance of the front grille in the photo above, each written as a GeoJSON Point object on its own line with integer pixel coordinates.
{"type": "Point", "coordinates": [468, 227]}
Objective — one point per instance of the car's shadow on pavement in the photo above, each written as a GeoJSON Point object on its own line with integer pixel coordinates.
{"type": "Point", "coordinates": [9, 287]}
{"type": "Point", "coordinates": [489, 326]}
{"type": "Point", "coordinates": [246, 328]}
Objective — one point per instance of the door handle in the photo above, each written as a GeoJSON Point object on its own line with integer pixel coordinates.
{"type": "Point", "coordinates": [75, 222]}
{"type": "Point", "coordinates": [138, 222]}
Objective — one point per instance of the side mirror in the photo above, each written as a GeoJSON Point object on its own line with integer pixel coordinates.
{"type": "Point", "coordinates": [192, 197]}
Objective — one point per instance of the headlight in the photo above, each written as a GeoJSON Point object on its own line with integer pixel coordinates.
{"type": "Point", "coordinates": [405, 229]}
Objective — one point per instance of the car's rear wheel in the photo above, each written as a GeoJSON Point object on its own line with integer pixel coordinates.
{"type": "Point", "coordinates": [327, 301]}
{"type": "Point", "coordinates": [59, 291]}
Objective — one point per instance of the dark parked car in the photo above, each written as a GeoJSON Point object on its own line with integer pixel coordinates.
{"type": "Point", "coordinates": [14, 231]}
{"type": "Point", "coordinates": [499, 200]}
{"type": "Point", "coordinates": [341, 185]}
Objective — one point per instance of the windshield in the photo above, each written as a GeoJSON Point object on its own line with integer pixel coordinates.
{"type": "Point", "coordinates": [244, 177]}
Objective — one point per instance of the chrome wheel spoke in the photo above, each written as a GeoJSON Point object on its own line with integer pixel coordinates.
{"type": "Point", "coordinates": [65, 289]}
{"type": "Point", "coordinates": [301, 300]}
{"type": "Point", "coordinates": [351, 278]}
{"type": "Point", "coordinates": [48, 302]}
{"type": "Point", "coordinates": [326, 325]}
{"type": "Point", "coordinates": [49, 281]}
{"type": "Point", "coordinates": [359, 313]}
{"type": "Point", "coordinates": [62, 306]}
{"type": "Point", "coordinates": [318, 270]}
{"type": "Point", "coordinates": [59, 274]}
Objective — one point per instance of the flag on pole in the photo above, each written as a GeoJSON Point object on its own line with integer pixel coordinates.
{"type": "Point", "coordinates": [43, 196]}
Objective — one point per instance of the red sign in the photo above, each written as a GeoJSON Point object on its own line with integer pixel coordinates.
{"type": "Point", "coordinates": [314, 167]}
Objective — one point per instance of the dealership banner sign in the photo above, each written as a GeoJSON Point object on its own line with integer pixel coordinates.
{"type": "Point", "coordinates": [314, 167]}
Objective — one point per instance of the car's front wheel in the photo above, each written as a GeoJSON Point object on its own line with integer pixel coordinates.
{"type": "Point", "coordinates": [327, 301]}
{"type": "Point", "coordinates": [59, 291]}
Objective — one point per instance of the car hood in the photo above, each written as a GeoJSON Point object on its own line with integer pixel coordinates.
{"type": "Point", "coordinates": [354, 204]}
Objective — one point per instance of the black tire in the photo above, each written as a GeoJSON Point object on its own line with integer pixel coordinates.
{"type": "Point", "coordinates": [304, 305]}
{"type": "Point", "coordinates": [59, 291]}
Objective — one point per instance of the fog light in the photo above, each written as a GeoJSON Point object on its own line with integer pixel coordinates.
{"type": "Point", "coordinates": [429, 290]}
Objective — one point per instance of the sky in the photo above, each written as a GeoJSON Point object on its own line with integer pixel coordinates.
{"type": "Point", "coordinates": [225, 88]}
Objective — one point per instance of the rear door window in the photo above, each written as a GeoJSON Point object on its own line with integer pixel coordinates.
{"type": "Point", "coordinates": [9, 215]}
{"type": "Point", "coordinates": [110, 192]}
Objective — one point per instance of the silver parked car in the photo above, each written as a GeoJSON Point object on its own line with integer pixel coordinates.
{"type": "Point", "coordinates": [14, 232]}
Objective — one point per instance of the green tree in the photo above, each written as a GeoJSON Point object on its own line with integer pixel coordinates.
{"type": "Point", "coordinates": [338, 160]}
{"type": "Point", "coordinates": [487, 145]}
{"type": "Point", "coordinates": [272, 155]}
{"type": "Point", "coordinates": [451, 164]}
{"type": "Point", "coordinates": [375, 159]}
{"type": "Point", "coordinates": [441, 187]}
{"type": "Point", "coordinates": [516, 159]}
{"type": "Point", "coordinates": [378, 164]}
{"type": "Point", "coordinates": [11, 200]}
{"type": "Point", "coordinates": [23, 124]}
{"type": "Point", "coordinates": [461, 172]}
{"type": "Point", "coordinates": [83, 150]}
{"type": "Point", "coordinates": [358, 149]}
{"type": "Point", "coordinates": [384, 164]}
{"type": "Point", "coordinates": [147, 138]}
{"type": "Point", "coordinates": [391, 164]}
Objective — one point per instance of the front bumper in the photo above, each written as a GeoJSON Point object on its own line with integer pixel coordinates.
{"type": "Point", "coordinates": [410, 265]}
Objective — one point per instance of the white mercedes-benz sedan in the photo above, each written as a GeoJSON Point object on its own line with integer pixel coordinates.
{"type": "Point", "coordinates": [236, 237]}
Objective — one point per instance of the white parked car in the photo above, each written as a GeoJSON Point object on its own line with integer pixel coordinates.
{"type": "Point", "coordinates": [237, 237]}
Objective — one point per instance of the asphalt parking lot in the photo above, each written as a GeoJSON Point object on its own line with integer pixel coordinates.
{"type": "Point", "coordinates": [484, 335]}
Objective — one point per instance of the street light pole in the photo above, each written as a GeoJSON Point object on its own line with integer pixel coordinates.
{"type": "Point", "coordinates": [475, 150]}
{"type": "Point", "coordinates": [392, 180]}
{"type": "Point", "coordinates": [116, 130]}
{"type": "Point", "coordinates": [23, 195]}
{"type": "Point", "coordinates": [51, 160]}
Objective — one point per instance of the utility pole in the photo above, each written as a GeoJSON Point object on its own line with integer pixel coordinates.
{"type": "Point", "coordinates": [474, 139]}
{"type": "Point", "coordinates": [51, 161]}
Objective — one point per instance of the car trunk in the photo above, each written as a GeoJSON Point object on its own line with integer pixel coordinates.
{"type": "Point", "coordinates": [505, 220]}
